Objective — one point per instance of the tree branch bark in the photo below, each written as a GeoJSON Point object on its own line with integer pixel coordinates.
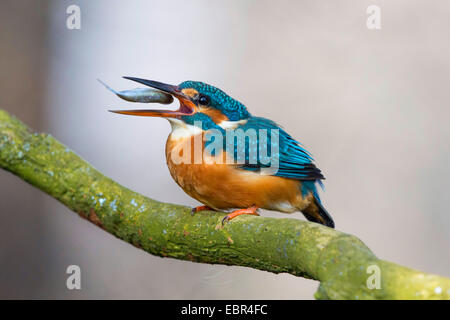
{"type": "Point", "coordinates": [338, 260]}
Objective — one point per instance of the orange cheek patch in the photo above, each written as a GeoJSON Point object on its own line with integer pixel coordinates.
{"type": "Point", "coordinates": [214, 114]}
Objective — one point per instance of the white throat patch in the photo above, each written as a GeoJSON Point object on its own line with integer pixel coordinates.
{"type": "Point", "coordinates": [182, 130]}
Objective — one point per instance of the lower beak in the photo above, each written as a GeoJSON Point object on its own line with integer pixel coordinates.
{"type": "Point", "coordinates": [187, 107]}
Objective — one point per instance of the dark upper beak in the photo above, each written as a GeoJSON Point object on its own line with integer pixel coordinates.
{"type": "Point", "coordinates": [187, 107]}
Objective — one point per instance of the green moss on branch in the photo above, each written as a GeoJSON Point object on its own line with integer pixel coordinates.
{"type": "Point", "coordinates": [339, 261]}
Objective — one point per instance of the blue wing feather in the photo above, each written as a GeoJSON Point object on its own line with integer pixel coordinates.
{"type": "Point", "coordinates": [294, 161]}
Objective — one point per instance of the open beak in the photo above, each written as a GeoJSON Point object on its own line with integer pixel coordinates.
{"type": "Point", "coordinates": [187, 107]}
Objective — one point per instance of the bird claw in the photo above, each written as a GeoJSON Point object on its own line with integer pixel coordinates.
{"type": "Point", "coordinates": [199, 208]}
{"type": "Point", "coordinates": [225, 219]}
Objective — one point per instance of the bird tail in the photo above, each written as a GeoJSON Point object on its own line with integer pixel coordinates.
{"type": "Point", "coordinates": [315, 212]}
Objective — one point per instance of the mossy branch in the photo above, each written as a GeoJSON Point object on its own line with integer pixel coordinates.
{"type": "Point", "coordinates": [338, 260]}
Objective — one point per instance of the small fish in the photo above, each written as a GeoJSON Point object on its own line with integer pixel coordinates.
{"type": "Point", "coordinates": [144, 95]}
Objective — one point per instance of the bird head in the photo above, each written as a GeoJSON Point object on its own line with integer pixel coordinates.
{"type": "Point", "coordinates": [198, 101]}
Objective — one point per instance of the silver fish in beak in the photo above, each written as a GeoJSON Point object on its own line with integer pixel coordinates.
{"type": "Point", "coordinates": [143, 95]}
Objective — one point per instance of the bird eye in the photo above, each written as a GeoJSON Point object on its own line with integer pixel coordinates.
{"type": "Point", "coordinates": [203, 100]}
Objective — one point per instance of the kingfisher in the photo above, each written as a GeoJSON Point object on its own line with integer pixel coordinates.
{"type": "Point", "coordinates": [289, 183]}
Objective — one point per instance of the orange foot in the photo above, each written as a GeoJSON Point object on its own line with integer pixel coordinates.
{"type": "Point", "coordinates": [234, 214]}
{"type": "Point", "coordinates": [200, 208]}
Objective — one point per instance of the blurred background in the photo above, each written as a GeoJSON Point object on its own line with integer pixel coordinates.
{"type": "Point", "coordinates": [371, 105]}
